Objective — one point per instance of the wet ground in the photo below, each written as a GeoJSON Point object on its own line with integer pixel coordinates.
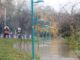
{"type": "Point", "coordinates": [50, 50]}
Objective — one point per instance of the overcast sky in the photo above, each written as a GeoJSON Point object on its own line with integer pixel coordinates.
{"type": "Point", "coordinates": [57, 4]}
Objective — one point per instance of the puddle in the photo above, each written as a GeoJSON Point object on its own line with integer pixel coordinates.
{"type": "Point", "coordinates": [27, 47]}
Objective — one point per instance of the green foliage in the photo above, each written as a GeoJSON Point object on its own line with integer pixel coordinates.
{"type": "Point", "coordinates": [71, 42]}
{"type": "Point", "coordinates": [74, 42]}
{"type": "Point", "coordinates": [7, 52]}
{"type": "Point", "coordinates": [65, 30]}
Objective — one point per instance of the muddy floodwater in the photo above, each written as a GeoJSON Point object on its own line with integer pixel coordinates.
{"type": "Point", "coordinates": [50, 50]}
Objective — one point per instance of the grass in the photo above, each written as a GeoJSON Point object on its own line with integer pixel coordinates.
{"type": "Point", "coordinates": [7, 52]}
{"type": "Point", "coordinates": [74, 43]}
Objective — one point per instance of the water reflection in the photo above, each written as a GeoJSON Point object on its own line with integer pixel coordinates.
{"type": "Point", "coordinates": [25, 46]}
{"type": "Point", "coordinates": [22, 46]}
{"type": "Point", "coordinates": [50, 50]}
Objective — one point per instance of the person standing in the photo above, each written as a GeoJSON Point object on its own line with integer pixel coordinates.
{"type": "Point", "coordinates": [19, 30]}
{"type": "Point", "coordinates": [6, 32]}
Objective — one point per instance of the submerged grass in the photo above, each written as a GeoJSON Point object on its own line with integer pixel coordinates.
{"type": "Point", "coordinates": [7, 52]}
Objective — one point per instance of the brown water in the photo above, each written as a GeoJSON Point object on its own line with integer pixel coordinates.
{"type": "Point", "coordinates": [51, 50]}
{"type": "Point", "coordinates": [56, 50]}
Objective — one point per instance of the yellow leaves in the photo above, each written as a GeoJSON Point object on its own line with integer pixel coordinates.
{"type": "Point", "coordinates": [42, 29]}
{"type": "Point", "coordinates": [54, 29]}
{"type": "Point", "coordinates": [45, 18]}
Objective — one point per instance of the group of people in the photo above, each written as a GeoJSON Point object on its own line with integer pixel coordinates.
{"type": "Point", "coordinates": [6, 32]}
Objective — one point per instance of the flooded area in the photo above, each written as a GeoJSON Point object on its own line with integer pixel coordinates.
{"type": "Point", "coordinates": [50, 50]}
{"type": "Point", "coordinates": [39, 30]}
{"type": "Point", "coordinates": [55, 51]}
{"type": "Point", "coordinates": [23, 46]}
